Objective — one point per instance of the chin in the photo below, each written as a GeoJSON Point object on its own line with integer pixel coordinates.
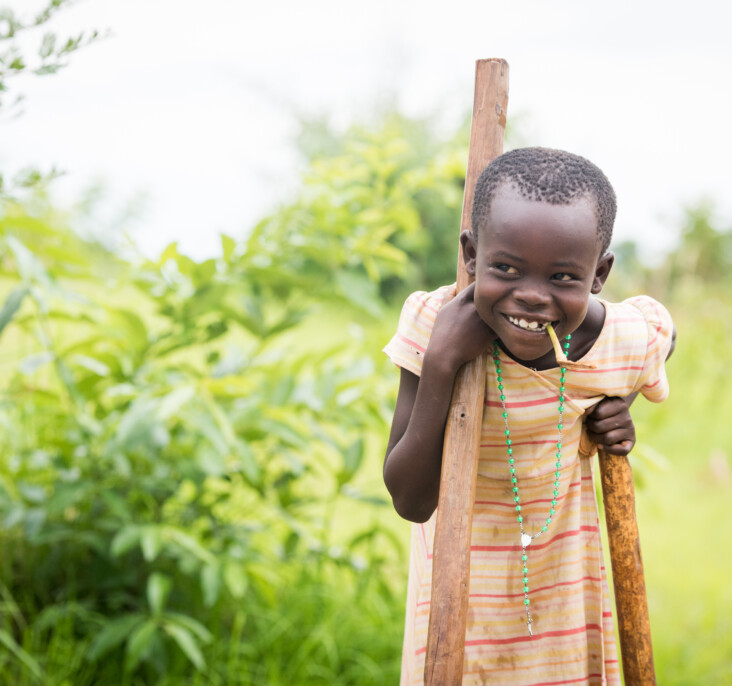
{"type": "Point", "coordinates": [525, 346]}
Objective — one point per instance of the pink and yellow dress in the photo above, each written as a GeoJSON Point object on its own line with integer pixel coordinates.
{"type": "Point", "coordinates": [573, 638]}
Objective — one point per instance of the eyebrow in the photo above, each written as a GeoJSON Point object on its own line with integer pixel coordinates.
{"type": "Point", "coordinates": [564, 264]}
{"type": "Point", "coordinates": [502, 254]}
{"type": "Point", "coordinates": [569, 264]}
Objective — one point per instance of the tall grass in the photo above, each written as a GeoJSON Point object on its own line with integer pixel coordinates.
{"type": "Point", "coordinates": [683, 507]}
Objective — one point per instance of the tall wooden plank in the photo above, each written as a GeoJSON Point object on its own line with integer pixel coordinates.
{"type": "Point", "coordinates": [451, 552]}
{"type": "Point", "coordinates": [634, 628]}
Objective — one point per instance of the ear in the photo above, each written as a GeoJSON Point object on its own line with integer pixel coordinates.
{"type": "Point", "coordinates": [467, 241]}
{"type": "Point", "coordinates": [604, 265]}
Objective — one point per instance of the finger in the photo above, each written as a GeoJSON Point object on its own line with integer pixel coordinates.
{"type": "Point", "coordinates": [612, 437]}
{"type": "Point", "coordinates": [608, 407]}
{"type": "Point", "coordinates": [616, 423]}
{"type": "Point", "coordinates": [622, 448]}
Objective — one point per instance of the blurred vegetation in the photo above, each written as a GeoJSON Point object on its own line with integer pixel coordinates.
{"type": "Point", "coordinates": [173, 467]}
{"type": "Point", "coordinates": [190, 483]}
{"type": "Point", "coordinates": [398, 179]}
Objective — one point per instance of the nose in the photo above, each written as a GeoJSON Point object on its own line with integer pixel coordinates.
{"type": "Point", "coordinates": [532, 296]}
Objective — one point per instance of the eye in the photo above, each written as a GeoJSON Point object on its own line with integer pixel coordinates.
{"type": "Point", "coordinates": [506, 268]}
{"type": "Point", "coordinates": [563, 276]}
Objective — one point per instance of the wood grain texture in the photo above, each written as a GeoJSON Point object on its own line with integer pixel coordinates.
{"type": "Point", "coordinates": [451, 551]}
{"type": "Point", "coordinates": [634, 626]}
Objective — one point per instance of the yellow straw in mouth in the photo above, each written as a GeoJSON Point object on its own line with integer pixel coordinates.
{"type": "Point", "coordinates": [562, 360]}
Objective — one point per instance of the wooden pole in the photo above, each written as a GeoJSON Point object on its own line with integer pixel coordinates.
{"type": "Point", "coordinates": [451, 550]}
{"type": "Point", "coordinates": [634, 626]}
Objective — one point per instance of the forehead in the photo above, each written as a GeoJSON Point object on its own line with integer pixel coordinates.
{"type": "Point", "coordinates": [537, 225]}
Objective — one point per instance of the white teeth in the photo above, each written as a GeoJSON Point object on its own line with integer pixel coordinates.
{"type": "Point", "coordinates": [530, 326]}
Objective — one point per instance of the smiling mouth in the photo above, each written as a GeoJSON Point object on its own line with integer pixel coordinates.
{"type": "Point", "coordinates": [528, 324]}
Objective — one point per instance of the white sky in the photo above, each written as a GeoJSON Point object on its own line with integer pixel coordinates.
{"type": "Point", "coordinates": [190, 104]}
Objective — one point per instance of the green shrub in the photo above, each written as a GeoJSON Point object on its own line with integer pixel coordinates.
{"type": "Point", "coordinates": [174, 468]}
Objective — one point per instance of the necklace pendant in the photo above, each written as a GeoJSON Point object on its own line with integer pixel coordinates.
{"type": "Point", "coordinates": [525, 540]}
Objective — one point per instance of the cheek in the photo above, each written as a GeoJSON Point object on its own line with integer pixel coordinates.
{"type": "Point", "coordinates": [484, 299]}
{"type": "Point", "coordinates": [576, 308]}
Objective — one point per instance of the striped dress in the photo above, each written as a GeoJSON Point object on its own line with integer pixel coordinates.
{"type": "Point", "coordinates": [573, 641]}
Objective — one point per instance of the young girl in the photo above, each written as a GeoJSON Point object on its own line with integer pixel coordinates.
{"type": "Point", "coordinates": [539, 610]}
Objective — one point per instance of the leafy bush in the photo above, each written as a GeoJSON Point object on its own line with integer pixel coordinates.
{"type": "Point", "coordinates": [173, 466]}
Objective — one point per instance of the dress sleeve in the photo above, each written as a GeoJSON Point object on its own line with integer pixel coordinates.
{"type": "Point", "coordinates": [407, 347]}
{"type": "Point", "coordinates": [653, 383]}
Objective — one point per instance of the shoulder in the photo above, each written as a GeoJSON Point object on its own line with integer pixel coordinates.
{"type": "Point", "coordinates": [427, 303]}
{"type": "Point", "coordinates": [644, 317]}
{"type": "Point", "coordinates": [639, 308]}
{"type": "Point", "coordinates": [652, 311]}
{"type": "Point", "coordinates": [421, 307]}
{"type": "Point", "coordinates": [640, 337]}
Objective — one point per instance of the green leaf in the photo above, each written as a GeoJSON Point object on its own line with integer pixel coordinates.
{"type": "Point", "coordinates": [204, 271]}
{"type": "Point", "coordinates": [112, 635]}
{"type": "Point", "coordinates": [151, 541]}
{"type": "Point", "coordinates": [125, 540]}
{"type": "Point", "coordinates": [158, 589]}
{"type": "Point", "coordinates": [170, 253]}
{"type": "Point", "coordinates": [27, 660]}
{"type": "Point", "coordinates": [360, 291]}
{"type": "Point", "coordinates": [221, 418]}
{"type": "Point", "coordinates": [140, 426]}
{"type": "Point", "coordinates": [139, 644]}
{"type": "Point", "coordinates": [171, 403]}
{"type": "Point", "coordinates": [12, 305]}
{"type": "Point", "coordinates": [30, 268]}
{"type": "Point", "coordinates": [283, 431]}
{"type": "Point", "coordinates": [93, 365]}
{"type": "Point", "coordinates": [227, 247]}
{"type": "Point", "coordinates": [248, 462]}
{"type": "Point", "coordinates": [355, 494]}
{"type": "Point", "coordinates": [47, 45]}
{"type": "Point", "coordinates": [195, 627]}
{"type": "Point", "coordinates": [187, 643]}
{"type": "Point", "coordinates": [32, 363]}
{"type": "Point", "coordinates": [211, 584]}
{"type": "Point", "coordinates": [129, 327]}
{"type": "Point", "coordinates": [190, 544]}
{"type": "Point", "coordinates": [352, 458]}
{"type": "Point", "coordinates": [236, 580]}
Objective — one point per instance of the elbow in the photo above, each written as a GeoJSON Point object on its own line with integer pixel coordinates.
{"type": "Point", "coordinates": [416, 512]}
{"type": "Point", "coordinates": [414, 499]}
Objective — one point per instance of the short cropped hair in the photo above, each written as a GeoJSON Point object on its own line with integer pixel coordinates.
{"type": "Point", "coordinates": [546, 175]}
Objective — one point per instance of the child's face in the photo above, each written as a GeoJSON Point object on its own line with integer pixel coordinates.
{"type": "Point", "coordinates": [537, 263]}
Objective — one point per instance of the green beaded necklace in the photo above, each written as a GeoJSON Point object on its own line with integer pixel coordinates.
{"type": "Point", "coordinates": [527, 538]}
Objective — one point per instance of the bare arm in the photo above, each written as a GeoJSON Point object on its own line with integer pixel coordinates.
{"type": "Point", "coordinates": [414, 453]}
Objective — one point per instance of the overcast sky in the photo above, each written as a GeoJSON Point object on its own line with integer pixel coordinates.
{"type": "Point", "coordinates": [189, 104]}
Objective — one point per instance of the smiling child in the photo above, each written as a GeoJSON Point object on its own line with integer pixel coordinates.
{"type": "Point", "coordinates": [539, 609]}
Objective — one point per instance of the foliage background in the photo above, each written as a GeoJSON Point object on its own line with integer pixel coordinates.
{"type": "Point", "coordinates": [190, 483]}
